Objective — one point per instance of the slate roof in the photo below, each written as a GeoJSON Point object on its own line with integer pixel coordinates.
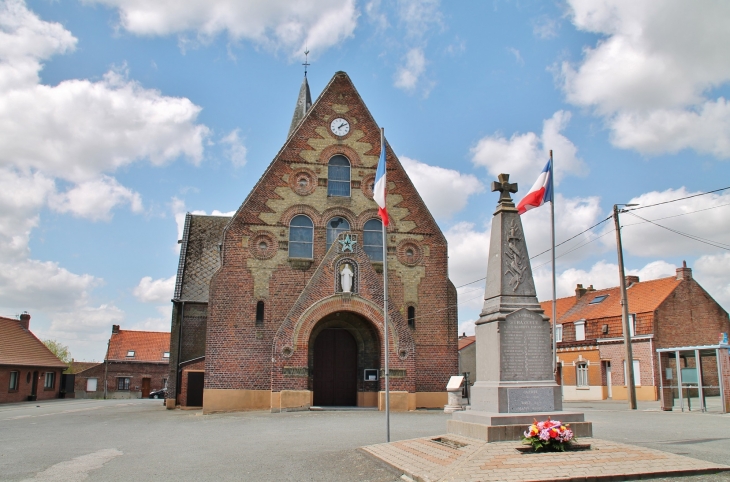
{"type": "Point", "coordinates": [199, 256]}
{"type": "Point", "coordinates": [465, 341]}
{"type": "Point", "coordinates": [645, 296]}
{"type": "Point", "coordinates": [148, 346]}
{"type": "Point", "coordinates": [19, 346]}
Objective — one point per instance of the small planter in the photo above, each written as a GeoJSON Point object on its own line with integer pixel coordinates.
{"type": "Point", "coordinates": [572, 447]}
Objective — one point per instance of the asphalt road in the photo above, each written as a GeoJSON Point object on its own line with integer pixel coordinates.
{"type": "Point", "coordinates": [119, 440]}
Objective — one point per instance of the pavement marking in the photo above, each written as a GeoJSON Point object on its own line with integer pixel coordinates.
{"type": "Point", "coordinates": [77, 468]}
{"type": "Point", "coordinates": [18, 417]}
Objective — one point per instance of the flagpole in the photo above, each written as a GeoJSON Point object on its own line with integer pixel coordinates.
{"type": "Point", "coordinates": [385, 312]}
{"type": "Point", "coordinates": [552, 235]}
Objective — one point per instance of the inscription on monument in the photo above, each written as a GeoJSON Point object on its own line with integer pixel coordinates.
{"type": "Point", "coordinates": [522, 400]}
{"type": "Point", "coordinates": [525, 347]}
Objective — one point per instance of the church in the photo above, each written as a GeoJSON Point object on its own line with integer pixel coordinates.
{"type": "Point", "coordinates": [280, 307]}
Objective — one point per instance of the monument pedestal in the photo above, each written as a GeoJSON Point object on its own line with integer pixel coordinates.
{"type": "Point", "coordinates": [501, 427]}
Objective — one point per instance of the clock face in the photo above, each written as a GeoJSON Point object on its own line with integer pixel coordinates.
{"type": "Point", "coordinates": [340, 127]}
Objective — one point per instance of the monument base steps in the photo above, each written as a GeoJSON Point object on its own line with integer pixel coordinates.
{"type": "Point", "coordinates": [500, 427]}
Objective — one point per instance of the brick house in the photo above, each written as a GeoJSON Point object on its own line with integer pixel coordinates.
{"type": "Point", "coordinates": [136, 363]}
{"type": "Point", "coordinates": [28, 369]}
{"type": "Point", "coordinates": [664, 313]}
{"type": "Point", "coordinates": [261, 318]}
{"type": "Point", "coordinates": [468, 357]}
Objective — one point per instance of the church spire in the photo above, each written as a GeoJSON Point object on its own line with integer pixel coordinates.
{"type": "Point", "coordinates": [304, 102]}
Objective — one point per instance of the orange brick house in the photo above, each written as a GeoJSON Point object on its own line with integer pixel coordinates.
{"type": "Point", "coordinates": [664, 313]}
{"type": "Point", "coordinates": [28, 369]}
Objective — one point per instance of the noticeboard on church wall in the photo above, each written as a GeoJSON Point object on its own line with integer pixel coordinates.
{"type": "Point", "coordinates": [371, 375]}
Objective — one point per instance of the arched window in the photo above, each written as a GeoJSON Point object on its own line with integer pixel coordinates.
{"type": "Point", "coordinates": [259, 312]}
{"type": "Point", "coordinates": [335, 226]}
{"type": "Point", "coordinates": [301, 237]}
{"type": "Point", "coordinates": [338, 177]}
{"type": "Point", "coordinates": [412, 316]}
{"type": "Point", "coordinates": [372, 241]}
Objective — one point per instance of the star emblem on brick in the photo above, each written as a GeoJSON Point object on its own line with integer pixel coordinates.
{"type": "Point", "coordinates": [347, 244]}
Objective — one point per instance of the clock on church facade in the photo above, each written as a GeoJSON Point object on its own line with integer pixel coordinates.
{"type": "Point", "coordinates": [280, 307]}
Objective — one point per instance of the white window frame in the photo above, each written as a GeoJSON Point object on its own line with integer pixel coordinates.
{"type": "Point", "coordinates": [558, 333]}
{"type": "Point", "coordinates": [89, 383]}
{"type": "Point", "coordinates": [130, 353]}
{"type": "Point", "coordinates": [637, 374]}
{"type": "Point", "coordinates": [581, 375]}
{"type": "Point", "coordinates": [14, 381]}
{"type": "Point", "coordinates": [632, 324]}
{"type": "Point", "coordinates": [49, 381]}
{"type": "Point", "coordinates": [582, 325]}
{"type": "Point", "coordinates": [166, 354]}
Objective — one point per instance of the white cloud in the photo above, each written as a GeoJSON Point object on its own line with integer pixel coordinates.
{"type": "Point", "coordinates": [409, 74]}
{"type": "Point", "coordinates": [524, 155]}
{"type": "Point", "coordinates": [713, 273]}
{"type": "Point", "coordinates": [85, 322]}
{"type": "Point", "coordinates": [445, 191]}
{"type": "Point", "coordinates": [652, 74]}
{"type": "Point", "coordinates": [517, 55]}
{"type": "Point", "coordinates": [95, 199]}
{"type": "Point", "coordinates": [155, 291]}
{"type": "Point", "coordinates": [545, 27]}
{"type": "Point", "coordinates": [177, 206]}
{"type": "Point", "coordinates": [236, 150]}
{"type": "Point", "coordinates": [417, 17]}
{"type": "Point", "coordinates": [468, 252]}
{"type": "Point", "coordinates": [273, 25]}
{"type": "Point", "coordinates": [161, 323]}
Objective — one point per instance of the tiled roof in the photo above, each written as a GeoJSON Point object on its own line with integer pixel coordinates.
{"type": "Point", "coordinates": [19, 346]}
{"type": "Point", "coordinates": [148, 346]}
{"type": "Point", "coordinates": [80, 366]}
{"type": "Point", "coordinates": [199, 256]}
{"type": "Point", "coordinates": [643, 297]}
{"type": "Point", "coordinates": [465, 341]}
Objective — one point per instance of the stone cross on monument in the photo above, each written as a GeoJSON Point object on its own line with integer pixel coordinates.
{"type": "Point", "coordinates": [515, 381]}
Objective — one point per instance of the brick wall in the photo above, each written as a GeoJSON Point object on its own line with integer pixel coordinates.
{"type": "Point", "coordinates": [25, 380]}
{"type": "Point", "coordinates": [156, 372]}
{"type": "Point", "coordinates": [182, 398]}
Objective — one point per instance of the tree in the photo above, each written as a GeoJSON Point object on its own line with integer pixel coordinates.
{"type": "Point", "coordinates": [59, 349]}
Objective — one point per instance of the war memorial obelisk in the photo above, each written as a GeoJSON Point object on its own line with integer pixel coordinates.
{"type": "Point", "coordinates": [515, 381]}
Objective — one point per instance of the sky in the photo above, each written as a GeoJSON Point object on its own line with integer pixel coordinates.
{"type": "Point", "coordinates": [119, 116]}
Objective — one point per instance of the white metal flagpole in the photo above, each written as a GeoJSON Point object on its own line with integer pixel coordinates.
{"type": "Point", "coordinates": [552, 235]}
{"type": "Point", "coordinates": [385, 310]}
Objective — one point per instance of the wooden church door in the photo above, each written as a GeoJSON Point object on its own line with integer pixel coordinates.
{"type": "Point", "coordinates": [335, 368]}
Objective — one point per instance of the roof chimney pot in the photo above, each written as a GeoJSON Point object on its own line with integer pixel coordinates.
{"type": "Point", "coordinates": [631, 279]}
{"type": "Point", "coordinates": [25, 320]}
{"type": "Point", "coordinates": [579, 291]}
{"type": "Point", "coordinates": [115, 329]}
{"type": "Point", "coordinates": [684, 273]}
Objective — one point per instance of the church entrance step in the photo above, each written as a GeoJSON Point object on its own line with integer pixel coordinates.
{"type": "Point", "coordinates": [340, 409]}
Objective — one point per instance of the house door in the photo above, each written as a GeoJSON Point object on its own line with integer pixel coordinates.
{"type": "Point", "coordinates": [34, 386]}
{"type": "Point", "coordinates": [145, 387]}
{"type": "Point", "coordinates": [608, 380]}
{"type": "Point", "coordinates": [335, 368]}
{"type": "Point", "coordinates": [195, 389]}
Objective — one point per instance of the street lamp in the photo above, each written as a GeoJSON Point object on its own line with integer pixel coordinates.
{"type": "Point", "coordinates": [630, 386]}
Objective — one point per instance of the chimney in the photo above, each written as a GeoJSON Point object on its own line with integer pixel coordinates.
{"type": "Point", "coordinates": [684, 273]}
{"type": "Point", "coordinates": [631, 279]}
{"type": "Point", "coordinates": [115, 329]}
{"type": "Point", "coordinates": [590, 288]}
{"type": "Point", "coordinates": [579, 291]}
{"type": "Point", "coordinates": [25, 320]}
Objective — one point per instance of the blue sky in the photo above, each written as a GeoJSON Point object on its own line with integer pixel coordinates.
{"type": "Point", "coordinates": [118, 116]}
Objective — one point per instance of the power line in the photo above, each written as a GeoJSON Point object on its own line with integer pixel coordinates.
{"type": "Point", "coordinates": [678, 215]}
{"type": "Point", "coordinates": [716, 244]}
{"type": "Point", "coordinates": [577, 247]}
{"type": "Point", "coordinates": [675, 200]}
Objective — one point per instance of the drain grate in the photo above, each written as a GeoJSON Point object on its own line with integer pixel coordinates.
{"type": "Point", "coordinates": [448, 442]}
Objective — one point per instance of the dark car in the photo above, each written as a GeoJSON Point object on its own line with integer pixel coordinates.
{"type": "Point", "coordinates": [161, 393]}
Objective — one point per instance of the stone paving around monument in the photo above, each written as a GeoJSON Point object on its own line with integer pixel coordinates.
{"type": "Point", "coordinates": [454, 458]}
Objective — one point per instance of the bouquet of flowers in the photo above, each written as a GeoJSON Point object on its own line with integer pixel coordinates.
{"type": "Point", "coordinates": [550, 435]}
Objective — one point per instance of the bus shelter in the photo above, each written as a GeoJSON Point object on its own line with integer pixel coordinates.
{"type": "Point", "coordinates": [695, 377]}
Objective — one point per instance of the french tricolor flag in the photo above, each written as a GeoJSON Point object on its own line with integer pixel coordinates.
{"type": "Point", "coordinates": [541, 192]}
{"type": "Point", "coordinates": [380, 183]}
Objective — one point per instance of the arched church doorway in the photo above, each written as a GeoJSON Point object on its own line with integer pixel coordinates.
{"type": "Point", "coordinates": [342, 345]}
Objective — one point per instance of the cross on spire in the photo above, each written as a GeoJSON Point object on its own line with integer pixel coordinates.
{"type": "Point", "coordinates": [306, 64]}
{"type": "Point", "coordinates": [505, 188]}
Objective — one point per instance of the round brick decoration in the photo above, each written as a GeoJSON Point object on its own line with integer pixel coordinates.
{"type": "Point", "coordinates": [402, 354]}
{"type": "Point", "coordinates": [367, 185]}
{"type": "Point", "coordinates": [287, 351]}
{"type": "Point", "coordinates": [303, 182]}
{"type": "Point", "coordinates": [263, 245]}
{"type": "Point", "coordinates": [409, 252]}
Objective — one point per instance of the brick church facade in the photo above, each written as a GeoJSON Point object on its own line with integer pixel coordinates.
{"type": "Point", "coordinates": [262, 315]}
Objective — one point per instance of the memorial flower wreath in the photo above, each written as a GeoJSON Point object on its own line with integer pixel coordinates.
{"type": "Point", "coordinates": [550, 435]}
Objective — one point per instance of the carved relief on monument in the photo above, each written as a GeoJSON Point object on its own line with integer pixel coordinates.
{"type": "Point", "coordinates": [515, 256]}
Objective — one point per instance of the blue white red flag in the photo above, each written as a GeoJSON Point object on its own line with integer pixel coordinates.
{"type": "Point", "coordinates": [541, 192]}
{"type": "Point", "coordinates": [380, 184]}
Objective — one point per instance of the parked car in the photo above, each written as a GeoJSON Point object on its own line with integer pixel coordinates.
{"type": "Point", "coordinates": [161, 393]}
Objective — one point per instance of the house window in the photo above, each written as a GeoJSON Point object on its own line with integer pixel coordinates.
{"type": "Point", "coordinates": [301, 237]}
{"type": "Point", "coordinates": [335, 226]}
{"type": "Point", "coordinates": [123, 383]}
{"type": "Point", "coordinates": [50, 380]}
{"type": "Point", "coordinates": [130, 353]}
{"type": "Point", "coordinates": [338, 177]}
{"type": "Point", "coordinates": [598, 299]}
{"type": "Point", "coordinates": [259, 312]}
{"type": "Point", "coordinates": [580, 330]}
{"type": "Point", "coordinates": [166, 354]}
{"type": "Point", "coordinates": [581, 375]}
{"type": "Point", "coordinates": [91, 384]}
{"type": "Point", "coordinates": [558, 333]}
{"type": "Point", "coordinates": [13, 386]}
{"type": "Point", "coordinates": [373, 239]}
{"type": "Point", "coordinates": [412, 316]}
{"type": "Point", "coordinates": [637, 374]}
{"type": "Point", "coordinates": [632, 324]}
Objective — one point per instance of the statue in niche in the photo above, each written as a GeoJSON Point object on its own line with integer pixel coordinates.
{"type": "Point", "coordinates": [346, 274]}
